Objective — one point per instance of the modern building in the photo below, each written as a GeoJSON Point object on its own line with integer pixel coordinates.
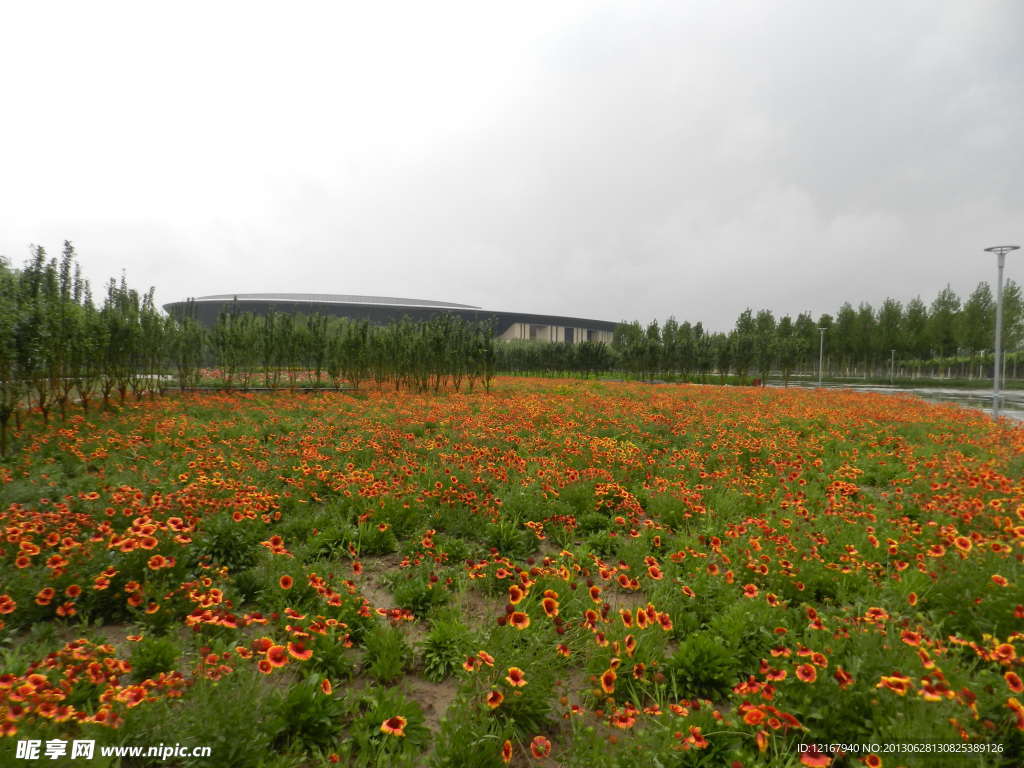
{"type": "Point", "coordinates": [381, 310]}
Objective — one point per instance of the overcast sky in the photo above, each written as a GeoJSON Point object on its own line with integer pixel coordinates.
{"type": "Point", "coordinates": [612, 160]}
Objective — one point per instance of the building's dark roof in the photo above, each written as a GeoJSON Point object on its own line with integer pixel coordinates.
{"type": "Point", "coordinates": [329, 298]}
{"type": "Point", "coordinates": [376, 309]}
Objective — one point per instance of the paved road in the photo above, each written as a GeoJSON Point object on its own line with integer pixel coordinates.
{"type": "Point", "coordinates": [1013, 400]}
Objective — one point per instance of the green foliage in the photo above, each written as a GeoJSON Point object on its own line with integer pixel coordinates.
{"type": "Point", "coordinates": [330, 656]}
{"type": "Point", "coordinates": [510, 538]}
{"type": "Point", "coordinates": [304, 716]}
{"type": "Point", "coordinates": [367, 745]}
{"type": "Point", "coordinates": [469, 742]}
{"type": "Point", "coordinates": [229, 543]}
{"type": "Point", "coordinates": [702, 667]}
{"type": "Point", "coordinates": [445, 648]}
{"type": "Point", "coordinates": [387, 653]}
{"type": "Point", "coordinates": [414, 591]}
{"type": "Point", "coordinates": [372, 540]}
{"type": "Point", "coordinates": [153, 655]}
{"type": "Point", "coordinates": [212, 715]}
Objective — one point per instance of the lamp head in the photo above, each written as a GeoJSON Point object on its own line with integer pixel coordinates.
{"type": "Point", "coordinates": [1002, 250]}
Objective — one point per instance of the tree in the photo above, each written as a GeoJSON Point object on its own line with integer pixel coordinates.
{"type": "Point", "coordinates": [764, 342]}
{"type": "Point", "coordinates": [942, 322]}
{"type": "Point", "coordinates": [806, 333]}
{"type": "Point", "coordinates": [788, 347]}
{"type": "Point", "coordinates": [742, 343]}
{"type": "Point", "coordinates": [890, 331]}
{"type": "Point", "coordinates": [10, 384]}
{"type": "Point", "coordinates": [915, 328]}
{"type": "Point", "coordinates": [975, 324]}
{"type": "Point", "coordinates": [843, 337]}
{"type": "Point", "coordinates": [865, 337]}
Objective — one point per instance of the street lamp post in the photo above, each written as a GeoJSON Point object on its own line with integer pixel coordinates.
{"type": "Point", "coordinates": [1000, 251]}
{"type": "Point", "coordinates": [892, 367]}
{"type": "Point", "coordinates": [821, 354]}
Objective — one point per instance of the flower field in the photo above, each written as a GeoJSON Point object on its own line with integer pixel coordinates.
{"type": "Point", "coordinates": [565, 573]}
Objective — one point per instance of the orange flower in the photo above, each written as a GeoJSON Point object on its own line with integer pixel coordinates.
{"type": "Point", "coordinates": [814, 758]}
{"type": "Point", "coordinates": [895, 683]}
{"type": "Point", "coordinates": [629, 642]}
{"type": "Point", "coordinates": [608, 681]}
{"type": "Point", "coordinates": [540, 747]}
{"type": "Point", "coordinates": [1014, 682]}
{"type": "Point", "coordinates": [1018, 711]}
{"type": "Point", "coordinates": [1005, 652]}
{"type": "Point", "coordinates": [506, 752]}
{"type": "Point", "coordinates": [912, 639]}
{"type": "Point", "coordinates": [762, 740]}
{"type": "Point", "coordinates": [873, 761]}
{"type": "Point", "coordinates": [519, 620]}
{"type": "Point", "coordinates": [515, 594]}
{"type": "Point", "coordinates": [516, 677]}
{"type": "Point", "coordinates": [285, 582]}
{"type": "Point", "coordinates": [156, 562]}
{"type": "Point", "coordinates": [325, 686]}
{"type": "Point", "coordinates": [550, 606]}
{"type": "Point", "coordinates": [277, 655]}
{"type": "Point", "coordinates": [494, 699]}
{"type": "Point", "coordinates": [843, 677]}
{"type": "Point", "coordinates": [300, 651]}
{"type": "Point", "coordinates": [750, 590]}
{"type": "Point", "coordinates": [394, 726]}
{"type": "Point", "coordinates": [623, 720]}
{"type": "Point", "coordinates": [486, 658]}
{"type": "Point", "coordinates": [806, 673]}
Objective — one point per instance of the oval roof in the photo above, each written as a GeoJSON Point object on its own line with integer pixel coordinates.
{"type": "Point", "coordinates": [331, 298]}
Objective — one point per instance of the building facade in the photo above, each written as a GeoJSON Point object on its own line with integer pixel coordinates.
{"type": "Point", "coordinates": [381, 310]}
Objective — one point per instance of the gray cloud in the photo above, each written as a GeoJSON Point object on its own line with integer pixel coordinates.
{"type": "Point", "coordinates": [619, 160]}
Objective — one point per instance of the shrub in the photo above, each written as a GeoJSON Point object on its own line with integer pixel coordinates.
{"type": "Point", "coordinates": [229, 716]}
{"type": "Point", "coordinates": [304, 716]}
{"type": "Point", "coordinates": [225, 542]}
{"type": "Point", "coordinates": [510, 538]}
{"type": "Point", "coordinates": [445, 648]}
{"type": "Point", "coordinates": [153, 655]}
{"type": "Point", "coordinates": [469, 742]}
{"type": "Point", "coordinates": [371, 540]}
{"type": "Point", "coordinates": [368, 745]}
{"type": "Point", "coordinates": [414, 591]}
{"type": "Point", "coordinates": [387, 653]}
{"type": "Point", "coordinates": [702, 668]}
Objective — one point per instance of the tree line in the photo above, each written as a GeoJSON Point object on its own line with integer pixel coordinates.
{"type": "Point", "coordinates": [949, 337]}
{"type": "Point", "coordinates": [60, 346]}
{"type": "Point", "coordinates": [279, 347]}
